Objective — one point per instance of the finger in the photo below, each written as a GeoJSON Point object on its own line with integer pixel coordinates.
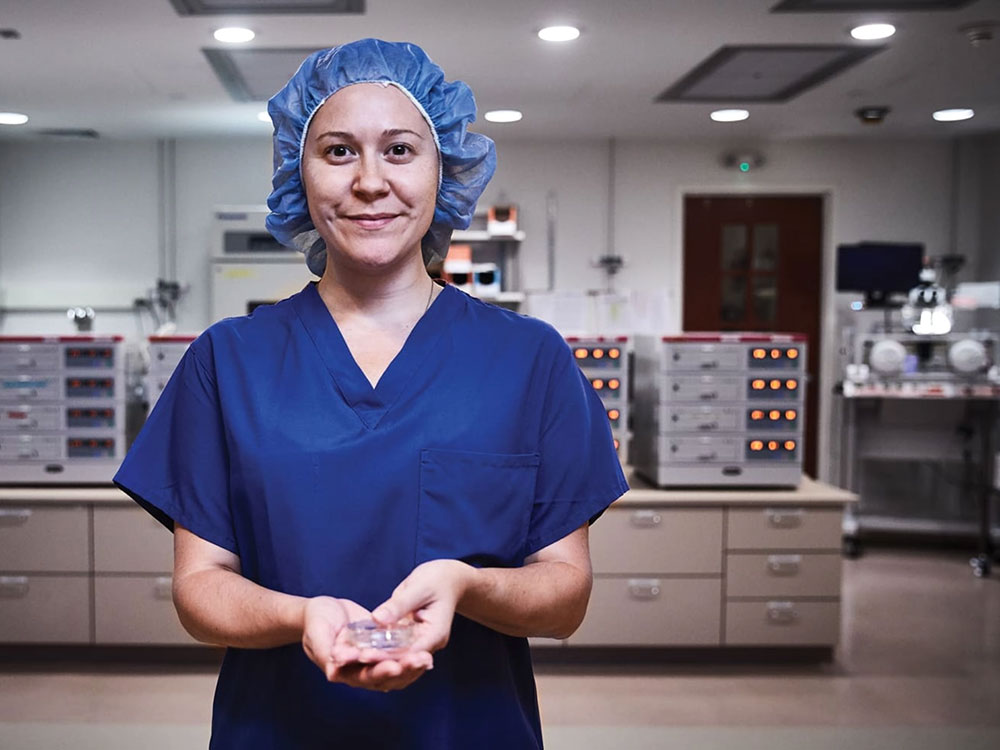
{"type": "Point", "coordinates": [405, 600]}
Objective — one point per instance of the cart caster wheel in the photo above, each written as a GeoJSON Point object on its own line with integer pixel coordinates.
{"type": "Point", "coordinates": [980, 566]}
{"type": "Point", "coordinates": [851, 548]}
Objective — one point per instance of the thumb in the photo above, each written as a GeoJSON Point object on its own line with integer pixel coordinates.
{"type": "Point", "coordinates": [399, 605]}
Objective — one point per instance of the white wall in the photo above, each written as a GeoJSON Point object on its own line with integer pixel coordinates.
{"type": "Point", "coordinates": [79, 222]}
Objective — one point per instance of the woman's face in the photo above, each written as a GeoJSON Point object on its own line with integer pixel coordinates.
{"type": "Point", "coordinates": [370, 169]}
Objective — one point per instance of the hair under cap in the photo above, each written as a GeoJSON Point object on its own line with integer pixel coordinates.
{"type": "Point", "coordinates": [467, 160]}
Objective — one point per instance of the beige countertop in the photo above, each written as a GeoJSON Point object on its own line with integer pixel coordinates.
{"type": "Point", "coordinates": [809, 492]}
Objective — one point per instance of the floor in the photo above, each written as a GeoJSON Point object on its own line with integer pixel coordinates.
{"type": "Point", "coordinates": [918, 667]}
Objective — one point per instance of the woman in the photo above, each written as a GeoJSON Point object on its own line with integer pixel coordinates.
{"type": "Point", "coordinates": [376, 445]}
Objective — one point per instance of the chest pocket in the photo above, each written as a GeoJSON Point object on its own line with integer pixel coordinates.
{"type": "Point", "coordinates": [475, 506]}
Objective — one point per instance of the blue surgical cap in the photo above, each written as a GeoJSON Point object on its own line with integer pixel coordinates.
{"type": "Point", "coordinates": [467, 160]}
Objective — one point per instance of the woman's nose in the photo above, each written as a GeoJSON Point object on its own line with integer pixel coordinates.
{"type": "Point", "coordinates": [370, 181]}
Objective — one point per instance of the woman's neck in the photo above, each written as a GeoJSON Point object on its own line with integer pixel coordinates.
{"type": "Point", "coordinates": [388, 299]}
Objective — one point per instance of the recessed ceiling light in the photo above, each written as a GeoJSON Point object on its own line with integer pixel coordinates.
{"type": "Point", "coordinates": [953, 115]}
{"type": "Point", "coordinates": [729, 115]}
{"type": "Point", "coordinates": [264, 117]}
{"type": "Point", "coordinates": [12, 118]}
{"type": "Point", "coordinates": [871, 31]}
{"type": "Point", "coordinates": [559, 33]}
{"type": "Point", "coordinates": [233, 35]}
{"type": "Point", "coordinates": [503, 115]}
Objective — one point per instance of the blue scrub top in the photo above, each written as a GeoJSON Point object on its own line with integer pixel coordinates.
{"type": "Point", "coordinates": [482, 441]}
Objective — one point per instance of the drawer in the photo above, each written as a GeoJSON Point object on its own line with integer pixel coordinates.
{"type": "Point", "coordinates": [703, 388]}
{"type": "Point", "coordinates": [658, 540]}
{"type": "Point", "coordinates": [30, 417]}
{"type": "Point", "coordinates": [49, 539]}
{"type": "Point", "coordinates": [136, 609]}
{"type": "Point", "coordinates": [690, 356]}
{"type": "Point", "coordinates": [44, 609]}
{"type": "Point", "coordinates": [784, 528]}
{"type": "Point", "coordinates": [811, 574]}
{"type": "Point", "coordinates": [651, 612]}
{"type": "Point", "coordinates": [24, 357]}
{"type": "Point", "coordinates": [782, 623]}
{"type": "Point", "coordinates": [686, 449]}
{"type": "Point", "coordinates": [674, 418]}
{"type": "Point", "coordinates": [129, 540]}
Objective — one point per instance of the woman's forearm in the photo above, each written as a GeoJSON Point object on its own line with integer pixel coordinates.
{"type": "Point", "coordinates": [546, 599]}
{"type": "Point", "coordinates": [220, 606]}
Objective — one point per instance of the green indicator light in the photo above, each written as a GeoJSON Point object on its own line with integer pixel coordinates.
{"type": "Point", "coordinates": [744, 166]}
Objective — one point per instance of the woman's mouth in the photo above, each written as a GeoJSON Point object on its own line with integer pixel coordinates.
{"type": "Point", "coordinates": [372, 221]}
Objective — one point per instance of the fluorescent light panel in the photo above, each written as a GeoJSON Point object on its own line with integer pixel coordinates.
{"type": "Point", "coordinates": [764, 73]}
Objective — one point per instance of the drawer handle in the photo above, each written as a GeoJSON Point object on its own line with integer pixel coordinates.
{"type": "Point", "coordinates": [644, 589]}
{"type": "Point", "coordinates": [784, 565]}
{"type": "Point", "coordinates": [708, 426]}
{"type": "Point", "coordinates": [162, 588]}
{"type": "Point", "coordinates": [25, 363]}
{"type": "Point", "coordinates": [708, 395]}
{"type": "Point", "coordinates": [13, 587]}
{"type": "Point", "coordinates": [707, 456]}
{"type": "Point", "coordinates": [709, 365]}
{"type": "Point", "coordinates": [646, 519]}
{"type": "Point", "coordinates": [14, 517]}
{"type": "Point", "coordinates": [785, 519]}
{"type": "Point", "coordinates": [781, 613]}
{"type": "Point", "coordinates": [27, 424]}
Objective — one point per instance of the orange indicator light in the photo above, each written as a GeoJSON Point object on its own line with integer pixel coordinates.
{"type": "Point", "coordinates": [756, 445]}
{"type": "Point", "coordinates": [758, 385]}
{"type": "Point", "coordinates": [617, 444]}
{"type": "Point", "coordinates": [580, 353]}
{"type": "Point", "coordinates": [774, 414]}
{"type": "Point", "coordinates": [598, 353]}
{"type": "Point", "coordinates": [772, 445]}
{"type": "Point", "coordinates": [791, 384]}
{"type": "Point", "coordinates": [614, 413]}
{"type": "Point", "coordinates": [759, 354]}
{"type": "Point", "coordinates": [756, 414]}
{"type": "Point", "coordinates": [791, 415]}
{"type": "Point", "coordinates": [775, 385]}
{"type": "Point", "coordinates": [789, 445]}
{"type": "Point", "coordinates": [792, 353]}
{"type": "Point", "coordinates": [598, 383]}
{"type": "Point", "coordinates": [776, 354]}
{"type": "Point", "coordinates": [614, 353]}
{"type": "Point", "coordinates": [613, 384]}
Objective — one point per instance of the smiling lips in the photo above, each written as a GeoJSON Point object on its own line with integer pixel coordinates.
{"type": "Point", "coordinates": [372, 221]}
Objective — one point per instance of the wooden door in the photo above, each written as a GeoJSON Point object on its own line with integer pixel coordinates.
{"type": "Point", "coordinates": [754, 263]}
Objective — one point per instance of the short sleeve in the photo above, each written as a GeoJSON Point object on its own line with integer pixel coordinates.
{"type": "Point", "coordinates": [579, 474]}
{"type": "Point", "coordinates": [177, 469]}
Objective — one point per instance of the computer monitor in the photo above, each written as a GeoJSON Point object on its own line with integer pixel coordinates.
{"type": "Point", "coordinates": [879, 269]}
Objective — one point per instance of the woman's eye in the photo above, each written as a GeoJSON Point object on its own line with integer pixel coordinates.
{"type": "Point", "coordinates": [400, 149]}
{"type": "Point", "coordinates": [338, 151]}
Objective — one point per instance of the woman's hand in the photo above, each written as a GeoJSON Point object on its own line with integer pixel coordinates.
{"type": "Point", "coordinates": [326, 642]}
{"type": "Point", "coordinates": [429, 595]}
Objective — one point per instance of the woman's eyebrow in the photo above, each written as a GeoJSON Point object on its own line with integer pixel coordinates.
{"type": "Point", "coordinates": [400, 131]}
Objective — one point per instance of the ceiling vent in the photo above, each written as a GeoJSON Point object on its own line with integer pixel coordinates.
{"type": "Point", "coordinates": [764, 73]}
{"type": "Point", "coordinates": [877, 6]}
{"type": "Point", "coordinates": [266, 7]}
{"type": "Point", "coordinates": [255, 75]}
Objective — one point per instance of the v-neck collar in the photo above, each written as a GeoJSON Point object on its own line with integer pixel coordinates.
{"type": "Point", "coordinates": [371, 404]}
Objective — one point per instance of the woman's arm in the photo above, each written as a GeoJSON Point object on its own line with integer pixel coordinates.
{"type": "Point", "coordinates": [217, 605]}
{"type": "Point", "coordinates": [546, 597]}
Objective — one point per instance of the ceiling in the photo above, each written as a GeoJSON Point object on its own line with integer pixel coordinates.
{"type": "Point", "coordinates": [136, 69]}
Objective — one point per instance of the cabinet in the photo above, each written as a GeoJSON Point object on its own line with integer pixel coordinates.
{"type": "Point", "coordinates": [84, 567]}
{"type": "Point", "coordinates": [702, 567]}
{"type": "Point", "coordinates": [501, 250]}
